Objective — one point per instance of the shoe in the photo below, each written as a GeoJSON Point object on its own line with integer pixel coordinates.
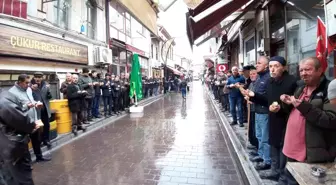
{"type": "Point", "coordinates": [256, 159]}
{"type": "Point", "coordinates": [269, 175]}
{"type": "Point", "coordinates": [43, 159]}
{"type": "Point", "coordinates": [75, 132]}
{"type": "Point", "coordinates": [253, 153]}
{"type": "Point", "coordinates": [241, 125]}
{"type": "Point", "coordinates": [233, 123]}
{"type": "Point", "coordinates": [47, 143]}
{"type": "Point", "coordinates": [251, 147]}
{"type": "Point", "coordinates": [86, 123]}
{"type": "Point", "coordinates": [90, 119]}
{"type": "Point", "coordinates": [98, 117]}
{"type": "Point", "coordinates": [262, 166]}
{"type": "Point", "coordinates": [82, 127]}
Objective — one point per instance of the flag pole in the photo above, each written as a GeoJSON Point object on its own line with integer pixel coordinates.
{"type": "Point", "coordinates": [326, 26]}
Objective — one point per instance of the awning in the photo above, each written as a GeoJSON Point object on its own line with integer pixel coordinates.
{"type": "Point", "coordinates": [144, 12]}
{"type": "Point", "coordinates": [244, 14]}
{"type": "Point", "coordinates": [197, 29]}
{"type": "Point", "coordinates": [202, 6]}
{"type": "Point", "coordinates": [175, 71]}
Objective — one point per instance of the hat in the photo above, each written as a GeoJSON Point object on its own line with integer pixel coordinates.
{"type": "Point", "coordinates": [107, 74]}
{"type": "Point", "coordinates": [38, 74]}
{"type": "Point", "coordinates": [246, 68]}
{"type": "Point", "coordinates": [279, 59]}
{"type": "Point", "coordinates": [252, 68]}
{"type": "Point", "coordinates": [332, 90]}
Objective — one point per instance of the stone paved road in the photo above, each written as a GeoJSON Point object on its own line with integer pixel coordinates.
{"type": "Point", "coordinates": [174, 143]}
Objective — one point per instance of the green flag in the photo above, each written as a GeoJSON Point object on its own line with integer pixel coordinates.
{"type": "Point", "coordinates": [135, 78]}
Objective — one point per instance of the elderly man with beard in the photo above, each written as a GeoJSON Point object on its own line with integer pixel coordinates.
{"type": "Point", "coordinates": [17, 120]}
{"type": "Point", "coordinates": [310, 135]}
{"type": "Point", "coordinates": [281, 82]}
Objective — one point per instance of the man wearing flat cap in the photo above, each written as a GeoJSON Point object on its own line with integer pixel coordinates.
{"type": "Point", "coordinates": [42, 94]}
{"type": "Point", "coordinates": [281, 82]}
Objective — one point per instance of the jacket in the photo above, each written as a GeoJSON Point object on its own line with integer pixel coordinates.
{"type": "Point", "coordinates": [107, 88]}
{"type": "Point", "coordinates": [64, 89]}
{"type": "Point", "coordinates": [320, 124]}
{"type": "Point", "coordinates": [15, 127]}
{"type": "Point", "coordinates": [222, 83]}
{"type": "Point", "coordinates": [75, 99]}
{"type": "Point", "coordinates": [234, 92]}
{"type": "Point", "coordinates": [116, 86]}
{"type": "Point", "coordinates": [83, 83]}
{"type": "Point", "coordinates": [277, 121]}
{"type": "Point", "coordinates": [42, 94]}
{"type": "Point", "coordinates": [252, 88]}
{"type": "Point", "coordinates": [24, 96]}
{"type": "Point", "coordinates": [260, 88]}
{"type": "Point", "coordinates": [96, 88]}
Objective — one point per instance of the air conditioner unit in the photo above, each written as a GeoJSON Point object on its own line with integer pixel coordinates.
{"type": "Point", "coordinates": [103, 55]}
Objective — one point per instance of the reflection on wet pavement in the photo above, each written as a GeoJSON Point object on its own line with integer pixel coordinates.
{"type": "Point", "coordinates": [173, 143]}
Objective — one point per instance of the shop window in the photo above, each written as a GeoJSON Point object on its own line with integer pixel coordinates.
{"type": "Point", "coordinates": [61, 13]}
{"type": "Point", "coordinates": [122, 69]}
{"type": "Point", "coordinates": [115, 55]}
{"type": "Point", "coordinates": [156, 52]}
{"type": "Point", "coordinates": [91, 19]}
{"type": "Point", "coordinates": [260, 37]}
{"type": "Point", "coordinates": [152, 52]}
{"type": "Point", "coordinates": [5, 77]}
{"type": "Point", "coordinates": [250, 51]}
{"type": "Point", "coordinates": [122, 57]}
{"type": "Point", "coordinates": [114, 69]}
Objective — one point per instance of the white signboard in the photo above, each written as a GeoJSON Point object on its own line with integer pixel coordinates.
{"type": "Point", "coordinates": [331, 14]}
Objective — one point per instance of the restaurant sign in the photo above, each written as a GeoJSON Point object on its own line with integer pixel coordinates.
{"type": "Point", "coordinates": [18, 42]}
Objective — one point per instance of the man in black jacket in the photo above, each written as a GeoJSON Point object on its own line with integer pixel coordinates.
{"type": "Point", "coordinates": [15, 127]}
{"type": "Point", "coordinates": [75, 101]}
{"type": "Point", "coordinates": [96, 82]}
{"type": "Point", "coordinates": [281, 82]}
{"type": "Point", "coordinates": [107, 95]}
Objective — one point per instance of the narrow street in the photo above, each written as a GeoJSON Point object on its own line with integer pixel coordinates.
{"type": "Point", "coordinates": [174, 143]}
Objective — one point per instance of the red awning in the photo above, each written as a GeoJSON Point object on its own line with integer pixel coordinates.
{"type": "Point", "coordinates": [175, 71]}
{"type": "Point", "coordinates": [202, 6]}
{"type": "Point", "coordinates": [197, 29]}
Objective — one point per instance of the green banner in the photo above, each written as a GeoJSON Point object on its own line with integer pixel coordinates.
{"type": "Point", "coordinates": [135, 78]}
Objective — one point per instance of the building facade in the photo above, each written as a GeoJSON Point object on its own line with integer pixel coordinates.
{"type": "Point", "coordinates": [53, 37]}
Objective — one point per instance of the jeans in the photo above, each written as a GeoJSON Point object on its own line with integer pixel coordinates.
{"type": "Point", "coordinates": [95, 106]}
{"type": "Point", "coordinates": [262, 129]}
{"type": "Point", "coordinates": [184, 92]}
{"type": "Point", "coordinates": [225, 101]}
{"type": "Point", "coordinates": [236, 102]}
{"type": "Point", "coordinates": [155, 91]}
{"type": "Point", "coordinates": [108, 102]}
{"type": "Point", "coordinates": [87, 109]}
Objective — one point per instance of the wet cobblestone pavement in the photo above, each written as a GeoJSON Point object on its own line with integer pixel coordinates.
{"type": "Point", "coordinates": [173, 143]}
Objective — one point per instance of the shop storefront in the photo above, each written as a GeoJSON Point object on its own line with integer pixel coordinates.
{"type": "Point", "coordinates": [119, 57]}
{"type": "Point", "coordinates": [24, 51]}
{"type": "Point", "coordinates": [143, 59]}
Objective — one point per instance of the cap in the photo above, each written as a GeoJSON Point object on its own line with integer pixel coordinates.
{"type": "Point", "coordinates": [107, 74]}
{"type": "Point", "coordinates": [38, 74]}
{"type": "Point", "coordinates": [279, 59]}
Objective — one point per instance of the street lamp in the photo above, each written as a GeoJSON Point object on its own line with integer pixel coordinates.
{"type": "Point", "coordinates": [164, 57]}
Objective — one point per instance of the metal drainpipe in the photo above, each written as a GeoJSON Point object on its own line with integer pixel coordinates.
{"type": "Point", "coordinates": [107, 22]}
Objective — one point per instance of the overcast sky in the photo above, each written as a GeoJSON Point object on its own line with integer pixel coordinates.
{"type": "Point", "coordinates": [174, 20]}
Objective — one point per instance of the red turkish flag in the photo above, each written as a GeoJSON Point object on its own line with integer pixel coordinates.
{"type": "Point", "coordinates": [321, 52]}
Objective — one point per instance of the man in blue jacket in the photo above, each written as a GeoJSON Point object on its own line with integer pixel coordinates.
{"type": "Point", "coordinates": [235, 97]}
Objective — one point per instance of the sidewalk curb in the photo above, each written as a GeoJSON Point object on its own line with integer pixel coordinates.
{"type": "Point", "coordinates": [240, 152]}
{"type": "Point", "coordinates": [63, 139]}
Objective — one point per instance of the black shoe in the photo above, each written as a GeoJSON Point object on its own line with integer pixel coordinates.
{"type": "Point", "coordinates": [75, 132]}
{"type": "Point", "coordinates": [82, 127]}
{"type": "Point", "coordinates": [43, 159]}
{"type": "Point", "coordinates": [253, 153]}
{"type": "Point", "coordinates": [233, 123]}
{"type": "Point", "coordinates": [256, 159]}
{"type": "Point", "coordinates": [241, 125]}
{"type": "Point", "coordinates": [262, 166]}
{"type": "Point", "coordinates": [90, 119]}
{"type": "Point", "coordinates": [269, 175]}
{"type": "Point", "coordinates": [251, 147]}
{"type": "Point", "coordinates": [86, 123]}
{"type": "Point", "coordinates": [97, 117]}
{"type": "Point", "coordinates": [47, 143]}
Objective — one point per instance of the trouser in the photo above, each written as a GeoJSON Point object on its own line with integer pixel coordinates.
{"type": "Point", "coordinates": [236, 103]}
{"type": "Point", "coordinates": [108, 102]}
{"type": "Point", "coordinates": [252, 132]}
{"type": "Point", "coordinates": [122, 102]}
{"type": "Point", "coordinates": [46, 125]}
{"type": "Point", "coordinates": [36, 143]}
{"type": "Point", "coordinates": [225, 101]}
{"type": "Point", "coordinates": [77, 119]}
{"type": "Point", "coordinates": [184, 92]}
{"type": "Point", "coordinates": [95, 106]}
{"type": "Point", "coordinates": [116, 101]}
{"type": "Point", "coordinates": [262, 129]}
{"type": "Point", "coordinates": [278, 160]}
{"type": "Point", "coordinates": [286, 178]}
{"type": "Point", "coordinates": [126, 100]}
{"type": "Point", "coordinates": [18, 174]}
{"type": "Point", "coordinates": [155, 91]}
{"type": "Point", "coordinates": [245, 111]}
{"type": "Point", "coordinates": [87, 109]}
